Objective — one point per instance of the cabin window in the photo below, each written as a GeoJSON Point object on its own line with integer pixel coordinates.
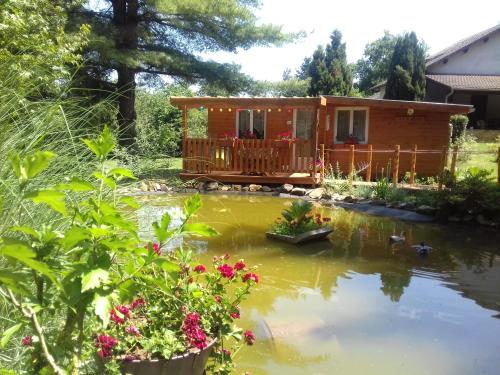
{"type": "Point", "coordinates": [251, 123]}
{"type": "Point", "coordinates": [351, 125]}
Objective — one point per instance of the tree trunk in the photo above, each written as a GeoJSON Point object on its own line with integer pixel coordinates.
{"type": "Point", "coordinates": [125, 20]}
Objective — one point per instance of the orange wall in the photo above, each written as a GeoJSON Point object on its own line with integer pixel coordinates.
{"type": "Point", "coordinates": [387, 128]}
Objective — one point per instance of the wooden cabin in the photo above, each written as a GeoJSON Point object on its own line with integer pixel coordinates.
{"type": "Point", "coordinates": [295, 140]}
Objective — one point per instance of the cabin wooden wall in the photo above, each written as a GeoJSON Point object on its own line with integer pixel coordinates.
{"type": "Point", "coordinates": [387, 127]}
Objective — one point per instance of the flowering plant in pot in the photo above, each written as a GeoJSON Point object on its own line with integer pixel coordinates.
{"type": "Point", "coordinates": [285, 138]}
{"type": "Point", "coordinates": [299, 224]}
{"type": "Point", "coordinates": [184, 314]}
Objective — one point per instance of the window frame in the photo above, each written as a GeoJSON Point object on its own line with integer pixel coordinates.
{"type": "Point", "coordinates": [251, 121]}
{"type": "Point", "coordinates": [351, 122]}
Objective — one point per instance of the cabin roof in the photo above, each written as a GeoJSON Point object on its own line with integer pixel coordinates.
{"type": "Point", "coordinates": [264, 102]}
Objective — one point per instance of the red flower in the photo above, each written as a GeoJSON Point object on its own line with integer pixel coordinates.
{"type": "Point", "coordinates": [119, 319]}
{"type": "Point", "coordinates": [235, 314]}
{"type": "Point", "coordinates": [227, 256]}
{"type": "Point", "coordinates": [27, 340]}
{"type": "Point", "coordinates": [240, 265]}
{"type": "Point", "coordinates": [124, 310]}
{"type": "Point", "coordinates": [194, 334]}
{"type": "Point", "coordinates": [327, 219]}
{"type": "Point", "coordinates": [137, 303]}
{"type": "Point", "coordinates": [133, 330]}
{"type": "Point", "coordinates": [218, 299]}
{"type": "Point", "coordinates": [105, 343]}
{"type": "Point", "coordinates": [250, 276]}
{"type": "Point", "coordinates": [200, 268]}
{"type": "Point", "coordinates": [249, 337]}
{"type": "Point", "coordinates": [226, 353]}
{"type": "Point", "coordinates": [156, 248]}
{"type": "Point", "coordinates": [226, 271]}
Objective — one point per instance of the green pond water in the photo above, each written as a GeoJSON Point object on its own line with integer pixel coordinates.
{"type": "Point", "coordinates": [356, 304]}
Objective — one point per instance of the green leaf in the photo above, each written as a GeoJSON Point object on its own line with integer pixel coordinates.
{"type": "Point", "coordinates": [94, 279]}
{"type": "Point", "coordinates": [122, 172]}
{"type": "Point", "coordinates": [199, 229]}
{"type": "Point", "coordinates": [131, 202]}
{"type": "Point", "coordinates": [14, 281]}
{"type": "Point", "coordinates": [102, 307]}
{"type": "Point", "coordinates": [52, 198]}
{"type": "Point", "coordinates": [73, 236]}
{"type": "Point", "coordinates": [161, 228]}
{"type": "Point", "coordinates": [19, 251]}
{"type": "Point", "coordinates": [192, 204]}
{"type": "Point", "coordinates": [75, 184]}
{"type": "Point", "coordinates": [107, 180]}
{"type": "Point", "coordinates": [167, 265]}
{"type": "Point", "coordinates": [15, 162]}
{"type": "Point", "coordinates": [36, 163]}
{"type": "Point", "coordinates": [103, 145]}
{"type": "Point", "coordinates": [26, 230]}
{"type": "Point", "coordinates": [7, 334]}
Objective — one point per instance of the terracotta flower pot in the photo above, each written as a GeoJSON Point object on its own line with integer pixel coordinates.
{"type": "Point", "coordinates": [192, 363]}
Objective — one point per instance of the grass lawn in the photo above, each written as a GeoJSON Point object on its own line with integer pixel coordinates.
{"type": "Point", "coordinates": [484, 156]}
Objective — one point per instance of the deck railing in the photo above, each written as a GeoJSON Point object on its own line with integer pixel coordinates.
{"type": "Point", "coordinates": [248, 156]}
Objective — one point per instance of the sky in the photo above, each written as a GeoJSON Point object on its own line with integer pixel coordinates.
{"type": "Point", "coordinates": [439, 23]}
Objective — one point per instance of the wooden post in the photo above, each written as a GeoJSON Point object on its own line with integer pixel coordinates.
{"type": "Point", "coordinates": [351, 164]}
{"type": "Point", "coordinates": [454, 157]}
{"type": "Point", "coordinates": [413, 166]}
{"type": "Point", "coordinates": [395, 171]}
{"type": "Point", "coordinates": [184, 137]}
{"type": "Point", "coordinates": [322, 165]}
{"type": "Point", "coordinates": [369, 169]}
{"type": "Point", "coordinates": [443, 165]}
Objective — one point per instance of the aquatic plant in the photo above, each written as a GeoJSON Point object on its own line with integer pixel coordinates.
{"type": "Point", "coordinates": [298, 219]}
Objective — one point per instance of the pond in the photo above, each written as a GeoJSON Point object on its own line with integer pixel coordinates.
{"type": "Point", "coordinates": [356, 304]}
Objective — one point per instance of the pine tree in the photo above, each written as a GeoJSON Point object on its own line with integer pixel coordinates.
{"type": "Point", "coordinates": [328, 69]}
{"type": "Point", "coordinates": [167, 37]}
{"type": "Point", "coordinates": [406, 79]}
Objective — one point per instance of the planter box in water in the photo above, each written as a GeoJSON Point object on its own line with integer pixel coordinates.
{"type": "Point", "coordinates": [192, 363]}
{"type": "Point", "coordinates": [311, 235]}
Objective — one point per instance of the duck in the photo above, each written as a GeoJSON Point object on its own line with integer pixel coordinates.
{"type": "Point", "coordinates": [422, 248]}
{"type": "Point", "coordinates": [397, 239]}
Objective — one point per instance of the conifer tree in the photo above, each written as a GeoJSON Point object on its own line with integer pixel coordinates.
{"type": "Point", "coordinates": [406, 79]}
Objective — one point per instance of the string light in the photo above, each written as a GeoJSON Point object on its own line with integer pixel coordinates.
{"type": "Point", "coordinates": [220, 110]}
{"type": "Point", "coordinates": [211, 109]}
{"type": "Point", "coordinates": [229, 110]}
{"type": "Point", "coordinates": [269, 110]}
{"type": "Point", "coordinates": [279, 109]}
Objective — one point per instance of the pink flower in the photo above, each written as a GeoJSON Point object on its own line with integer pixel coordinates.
{"type": "Point", "coordinates": [249, 337]}
{"type": "Point", "coordinates": [139, 302]}
{"type": "Point", "coordinates": [226, 271]}
{"type": "Point", "coordinates": [240, 265]}
{"type": "Point", "coordinates": [133, 330]}
{"type": "Point", "coordinates": [156, 249]}
{"type": "Point", "coordinates": [235, 314]}
{"type": "Point", "coordinates": [250, 276]}
{"type": "Point", "coordinates": [227, 256]}
{"type": "Point", "coordinates": [200, 268]}
{"type": "Point", "coordinates": [119, 319]}
{"type": "Point", "coordinates": [124, 310]}
{"type": "Point", "coordinates": [194, 334]}
{"type": "Point", "coordinates": [218, 299]}
{"type": "Point", "coordinates": [105, 344]}
{"type": "Point", "coordinates": [27, 340]}
{"type": "Point", "coordinates": [226, 353]}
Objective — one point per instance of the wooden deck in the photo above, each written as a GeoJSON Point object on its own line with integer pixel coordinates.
{"type": "Point", "coordinates": [240, 178]}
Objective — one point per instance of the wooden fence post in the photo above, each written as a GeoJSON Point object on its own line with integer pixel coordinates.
{"type": "Point", "coordinates": [369, 169]}
{"type": "Point", "coordinates": [322, 165]}
{"type": "Point", "coordinates": [395, 171]}
{"type": "Point", "coordinates": [454, 157]}
{"type": "Point", "coordinates": [351, 164]}
{"type": "Point", "coordinates": [413, 166]}
{"type": "Point", "coordinates": [444, 155]}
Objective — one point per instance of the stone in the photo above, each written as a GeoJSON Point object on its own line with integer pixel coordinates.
{"type": "Point", "coordinates": [144, 186]}
{"type": "Point", "coordinates": [244, 188]}
{"type": "Point", "coordinates": [316, 193]}
{"type": "Point", "coordinates": [200, 186]}
{"type": "Point", "coordinates": [379, 202]}
{"type": "Point", "coordinates": [298, 191]}
{"type": "Point", "coordinates": [467, 218]}
{"type": "Point", "coordinates": [349, 199]}
{"type": "Point", "coordinates": [401, 205]}
{"type": "Point", "coordinates": [326, 195]}
{"type": "Point", "coordinates": [286, 188]}
{"type": "Point", "coordinates": [483, 221]}
{"type": "Point", "coordinates": [453, 219]}
{"type": "Point", "coordinates": [165, 187]}
{"type": "Point", "coordinates": [225, 188]}
{"type": "Point", "coordinates": [326, 203]}
{"type": "Point", "coordinates": [266, 189]}
{"type": "Point", "coordinates": [254, 187]}
{"type": "Point", "coordinates": [426, 210]}
{"type": "Point", "coordinates": [237, 187]}
{"type": "Point", "coordinates": [211, 186]}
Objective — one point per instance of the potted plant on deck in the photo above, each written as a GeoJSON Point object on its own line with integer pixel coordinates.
{"type": "Point", "coordinates": [183, 315]}
{"type": "Point", "coordinates": [298, 225]}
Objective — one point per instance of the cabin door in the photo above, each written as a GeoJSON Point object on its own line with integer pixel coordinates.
{"type": "Point", "coordinates": [303, 125]}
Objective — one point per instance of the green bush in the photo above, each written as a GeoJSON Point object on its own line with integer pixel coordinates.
{"type": "Point", "coordinates": [459, 124]}
{"type": "Point", "coordinates": [382, 188]}
{"type": "Point", "coordinates": [475, 194]}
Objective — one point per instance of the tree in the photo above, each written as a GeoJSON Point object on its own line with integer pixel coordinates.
{"type": "Point", "coordinates": [373, 67]}
{"type": "Point", "coordinates": [290, 87]}
{"type": "Point", "coordinates": [167, 37]}
{"type": "Point", "coordinates": [406, 80]}
{"type": "Point", "coordinates": [328, 69]}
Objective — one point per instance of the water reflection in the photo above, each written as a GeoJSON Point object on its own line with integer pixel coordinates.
{"type": "Point", "coordinates": [356, 303]}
